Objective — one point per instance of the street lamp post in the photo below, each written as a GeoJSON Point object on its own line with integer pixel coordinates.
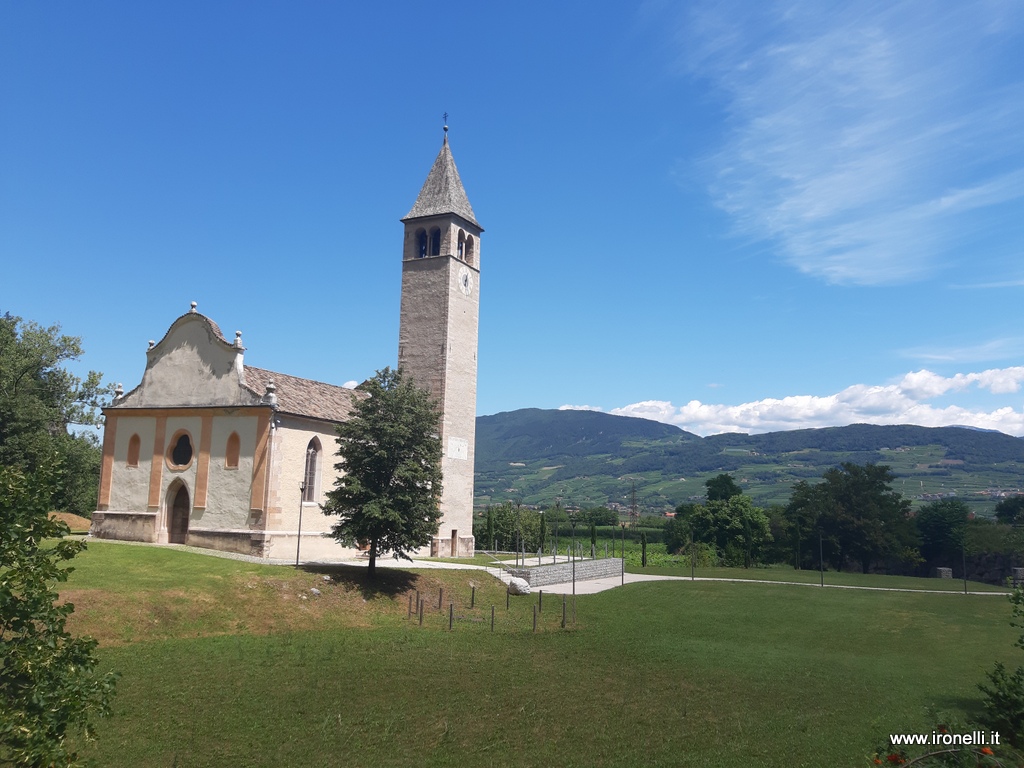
{"type": "Point", "coordinates": [693, 557]}
{"type": "Point", "coordinates": [572, 523]}
{"type": "Point", "coordinates": [821, 558]}
{"type": "Point", "coordinates": [558, 508]}
{"type": "Point", "coordinates": [519, 534]}
{"type": "Point", "coordinates": [298, 539]}
{"type": "Point", "coordinates": [543, 535]}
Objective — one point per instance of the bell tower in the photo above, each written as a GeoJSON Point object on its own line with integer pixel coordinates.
{"type": "Point", "coordinates": [437, 337]}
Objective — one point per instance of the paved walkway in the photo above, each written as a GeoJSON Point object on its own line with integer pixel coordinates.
{"type": "Point", "coordinates": [589, 587]}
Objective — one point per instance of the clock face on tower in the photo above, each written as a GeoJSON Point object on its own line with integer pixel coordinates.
{"type": "Point", "coordinates": [465, 280]}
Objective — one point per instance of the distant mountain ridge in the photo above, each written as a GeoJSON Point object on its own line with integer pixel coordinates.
{"type": "Point", "coordinates": [593, 458]}
{"type": "Point", "coordinates": [538, 433]}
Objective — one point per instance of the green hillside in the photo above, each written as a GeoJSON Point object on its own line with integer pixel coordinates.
{"type": "Point", "coordinates": [589, 458]}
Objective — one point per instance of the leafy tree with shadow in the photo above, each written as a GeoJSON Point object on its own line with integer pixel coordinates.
{"type": "Point", "coordinates": [388, 493]}
{"type": "Point", "coordinates": [49, 685]}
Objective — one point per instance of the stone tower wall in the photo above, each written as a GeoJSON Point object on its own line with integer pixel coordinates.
{"type": "Point", "coordinates": [438, 350]}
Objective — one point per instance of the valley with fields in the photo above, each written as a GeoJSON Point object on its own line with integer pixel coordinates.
{"type": "Point", "coordinates": [589, 459]}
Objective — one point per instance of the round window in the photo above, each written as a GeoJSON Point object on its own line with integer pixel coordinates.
{"type": "Point", "coordinates": [181, 451]}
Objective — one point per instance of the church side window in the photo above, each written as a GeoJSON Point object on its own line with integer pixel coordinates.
{"type": "Point", "coordinates": [435, 242]}
{"type": "Point", "coordinates": [421, 243]}
{"type": "Point", "coordinates": [462, 245]}
{"type": "Point", "coordinates": [231, 451]}
{"type": "Point", "coordinates": [470, 251]}
{"type": "Point", "coordinates": [134, 446]}
{"type": "Point", "coordinates": [312, 469]}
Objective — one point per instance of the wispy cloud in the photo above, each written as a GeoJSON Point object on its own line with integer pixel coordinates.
{"type": "Point", "coordinates": [902, 402]}
{"type": "Point", "coordinates": [861, 136]}
{"type": "Point", "coordinates": [992, 350]}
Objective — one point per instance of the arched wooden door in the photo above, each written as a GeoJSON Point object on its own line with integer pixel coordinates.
{"type": "Point", "coordinates": [177, 524]}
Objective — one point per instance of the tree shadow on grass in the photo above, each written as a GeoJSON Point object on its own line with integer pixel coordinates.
{"type": "Point", "coordinates": [389, 582]}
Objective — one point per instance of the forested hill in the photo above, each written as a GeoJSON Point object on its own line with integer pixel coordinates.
{"type": "Point", "coordinates": [592, 458]}
{"type": "Point", "coordinates": [536, 433]}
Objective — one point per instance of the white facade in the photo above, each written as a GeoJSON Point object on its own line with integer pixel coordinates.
{"type": "Point", "coordinates": [246, 440]}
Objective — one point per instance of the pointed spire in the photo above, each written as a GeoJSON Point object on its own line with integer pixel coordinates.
{"type": "Point", "coordinates": [442, 192]}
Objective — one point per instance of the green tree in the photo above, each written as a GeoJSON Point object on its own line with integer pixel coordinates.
{"type": "Point", "coordinates": [942, 526]}
{"type": "Point", "coordinates": [808, 505]}
{"type": "Point", "coordinates": [1004, 696]}
{"type": "Point", "coordinates": [516, 526]}
{"type": "Point", "coordinates": [677, 529]}
{"type": "Point", "coordinates": [40, 400]}
{"type": "Point", "coordinates": [1010, 510]}
{"type": "Point", "coordinates": [778, 549]}
{"type": "Point", "coordinates": [49, 685]}
{"type": "Point", "coordinates": [722, 488]}
{"type": "Point", "coordinates": [602, 516]}
{"type": "Point", "coordinates": [490, 527]}
{"type": "Point", "coordinates": [735, 527]}
{"type": "Point", "coordinates": [388, 492]}
{"type": "Point", "coordinates": [857, 514]}
{"type": "Point", "coordinates": [556, 514]}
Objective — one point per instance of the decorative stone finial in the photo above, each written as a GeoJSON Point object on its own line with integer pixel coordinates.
{"type": "Point", "coordinates": [238, 339]}
{"type": "Point", "coordinates": [270, 396]}
{"type": "Point", "coordinates": [118, 392]}
{"type": "Point", "coordinates": [194, 305]}
{"type": "Point", "coordinates": [152, 343]}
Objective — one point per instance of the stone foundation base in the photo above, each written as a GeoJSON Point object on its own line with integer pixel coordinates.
{"type": "Point", "coordinates": [125, 526]}
{"type": "Point", "coordinates": [276, 545]}
{"type": "Point", "coordinates": [442, 547]}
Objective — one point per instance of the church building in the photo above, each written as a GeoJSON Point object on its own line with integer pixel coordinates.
{"type": "Point", "coordinates": [212, 452]}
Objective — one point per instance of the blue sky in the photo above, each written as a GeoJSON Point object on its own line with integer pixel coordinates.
{"type": "Point", "coordinates": [727, 216]}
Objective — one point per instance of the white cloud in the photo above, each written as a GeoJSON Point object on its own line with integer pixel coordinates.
{"type": "Point", "coordinates": [904, 402]}
{"type": "Point", "coordinates": [858, 133]}
{"type": "Point", "coordinates": [350, 384]}
{"type": "Point", "coordinates": [578, 408]}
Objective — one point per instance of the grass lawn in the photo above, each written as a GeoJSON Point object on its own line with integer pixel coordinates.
{"type": "Point", "coordinates": [225, 664]}
{"type": "Point", "coordinates": [846, 579]}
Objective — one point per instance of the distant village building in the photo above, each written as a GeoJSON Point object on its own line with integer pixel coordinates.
{"type": "Point", "coordinates": [211, 452]}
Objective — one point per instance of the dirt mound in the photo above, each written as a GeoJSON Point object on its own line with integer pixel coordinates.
{"type": "Point", "coordinates": [76, 523]}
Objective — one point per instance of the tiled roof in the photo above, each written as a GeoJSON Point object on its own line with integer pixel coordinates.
{"type": "Point", "coordinates": [442, 192]}
{"type": "Point", "coordinates": [304, 397]}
